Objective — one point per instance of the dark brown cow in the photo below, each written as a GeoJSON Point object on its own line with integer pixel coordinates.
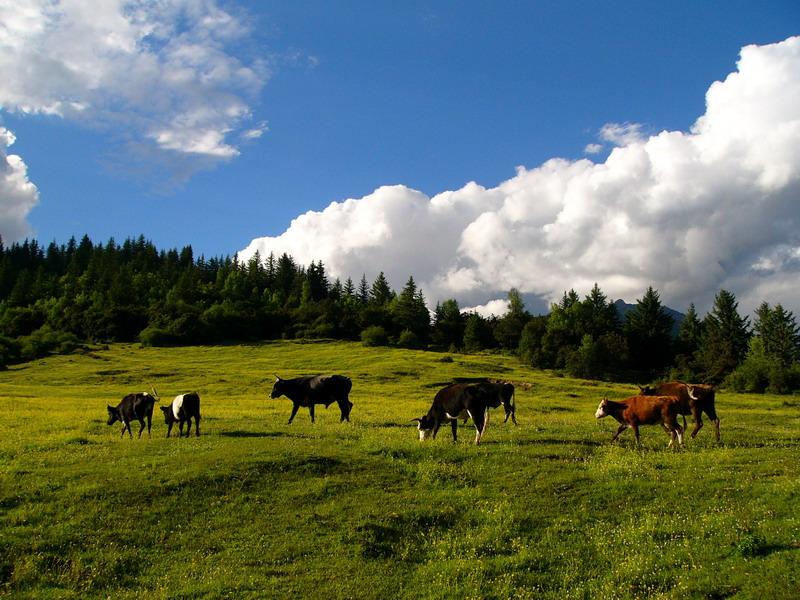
{"type": "Point", "coordinates": [643, 410]}
{"type": "Point", "coordinates": [695, 399]}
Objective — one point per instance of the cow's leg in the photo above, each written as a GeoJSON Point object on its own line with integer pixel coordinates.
{"type": "Point", "coordinates": [479, 420]}
{"type": "Point", "coordinates": [635, 428]}
{"type": "Point", "coordinates": [311, 411]}
{"type": "Point", "coordinates": [698, 420]}
{"type": "Point", "coordinates": [149, 423]}
{"type": "Point", "coordinates": [196, 425]}
{"type": "Point", "coordinates": [621, 428]}
{"type": "Point", "coordinates": [183, 422]}
{"type": "Point", "coordinates": [169, 428]}
{"type": "Point", "coordinates": [142, 425]}
{"type": "Point", "coordinates": [344, 410]}
{"type": "Point", "coordinates": [295, 407]}
{"type": "Point", "coordinates": [454, 427]}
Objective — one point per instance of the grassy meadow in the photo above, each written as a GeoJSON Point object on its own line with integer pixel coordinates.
{"type": "Point", "coordinates": [257, 508]}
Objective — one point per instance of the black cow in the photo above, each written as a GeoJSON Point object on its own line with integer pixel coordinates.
{"type": "Point", "coordinates": [183, 409]}
{"type": "Point", "coordinates": [133, 406]}
{"type": "Point", "coordinates": [466, 399]}
{"type": "Point", "coordinates": [315, 389]}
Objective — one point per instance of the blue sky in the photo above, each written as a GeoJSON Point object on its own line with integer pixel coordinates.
{"type": "Point", "coordinates": [351, 96]}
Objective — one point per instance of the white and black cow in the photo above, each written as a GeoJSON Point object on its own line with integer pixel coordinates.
{"type": "Point", "coordinates": [315, 389]}
{"type": "Point", "coordinates": [133, 406]}
{"type": "Point", "coordinates": [183, 409]}
{"type": "Point", "coordinates": [466, 399]}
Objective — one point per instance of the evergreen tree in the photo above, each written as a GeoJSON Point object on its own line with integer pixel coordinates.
{"type": "Point", "coordinates": [779, 333]}
{"type": "Point", "coordinates": [410, 313]}
{"type": "Point", "coordinates": [598, 315]}
{"type": "Point", "coordinates": [477, 333]}
{"type": "Point", "coordinates": [381, 294]}
{"type": "Point", "coordinates": [648, 330]}
{"type": "Point", "coordinates": [363, 290]}
{"type": "Point", "coordinates": [448, 325]}
{"type": "Point", "coordinates": [725, 338]}
{"type": "Point", "coordinates": [509, 327]}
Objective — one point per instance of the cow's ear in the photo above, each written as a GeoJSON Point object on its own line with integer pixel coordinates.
{"type": "Point", "coordinates": [111, 409]}
{"type": "Point", "coordinates": [164, 408]}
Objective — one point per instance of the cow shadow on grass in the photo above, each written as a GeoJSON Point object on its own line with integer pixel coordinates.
{"type": "Point", "coordinates": [254, 434]}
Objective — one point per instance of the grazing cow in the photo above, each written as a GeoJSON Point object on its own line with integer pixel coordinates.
{"type": "Point", "coordinates": [133, 406]}
{"type": "Point", "coordinates": [695, 399]}
{"type": "Point", "coordinates": [315, 389]}
{"type": "Point", "coordinates": [183, 409]}
{"type": "Point", "coordinates": [466, 399]}
{"type": "Point", "coordinates": [643, 410]}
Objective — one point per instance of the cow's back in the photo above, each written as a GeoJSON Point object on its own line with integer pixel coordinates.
{"type": "Point", "coordinates": [649, 409]}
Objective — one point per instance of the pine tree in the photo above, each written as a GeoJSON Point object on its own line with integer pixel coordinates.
{"type": "Point", "coordinates": [725, 338]}
{"type": "Point", "coordinates": [381, 294]}
{"type": "Point", "coordinates": [648, 331]}
{"type": "Point", "coordinates": [779, 333]}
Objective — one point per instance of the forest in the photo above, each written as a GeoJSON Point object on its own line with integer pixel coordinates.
{"type": "Point", "coordinates": [59, 298]}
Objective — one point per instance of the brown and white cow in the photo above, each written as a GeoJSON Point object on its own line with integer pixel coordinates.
{"type": "Point", "coordinates": [643, 410]}
{"type": "Point", "coordinates": [695, 399]}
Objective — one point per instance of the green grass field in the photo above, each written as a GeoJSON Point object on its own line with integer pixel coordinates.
{"type": "Point", "coordinates": [256, 508]}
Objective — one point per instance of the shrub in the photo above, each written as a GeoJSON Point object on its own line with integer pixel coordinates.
{"type": "Point", "coordinates": [408, 339]}
{"type": "Point", "coordinates": [375, 336]}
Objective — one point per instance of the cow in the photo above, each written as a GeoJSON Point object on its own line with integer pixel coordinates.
{"type": "Point", "coordinates": [183, 409]}
{"type": "Point", "coordinates": [643, 410]}
{"type": "Point", "coordinates": [315, 389]}
{"type": "Point", "coordinates": [466, 399]}
{"type": "Point", "coordinates": [695, 399]}
{"type": "Point", "coordinates": [133, 406]}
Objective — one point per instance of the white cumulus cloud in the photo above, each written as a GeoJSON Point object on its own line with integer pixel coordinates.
{"type": "Point", "coordinates": [688, 212]}
{"type": "Point", "coordinates": [161, 72]}
{"type": "Point", "coordinates": [17, 194]}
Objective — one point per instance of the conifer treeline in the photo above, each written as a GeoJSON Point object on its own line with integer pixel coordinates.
{"type": "Point", "coordinates": [56, 298]}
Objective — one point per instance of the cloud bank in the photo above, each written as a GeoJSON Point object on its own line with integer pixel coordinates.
{"type": "Point", "coordinates": [17, 194]}
{"type": "Point", "coordinates": [690, 212]}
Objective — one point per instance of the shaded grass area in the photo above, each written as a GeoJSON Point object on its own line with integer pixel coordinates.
{"type": "Point", "coordinates": [256, 508]}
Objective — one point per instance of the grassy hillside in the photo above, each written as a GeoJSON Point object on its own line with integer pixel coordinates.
{"type": "Point", "coordinates": [256, 508]}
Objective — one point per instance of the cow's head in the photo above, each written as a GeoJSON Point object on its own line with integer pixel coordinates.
{"type": "Point", "coordinates": [167, 410]}
{"type": "Point", "coordinates": [647, 390]}
{"type": "Point", "coordinates": [425, 427]}
{"type": "Point", "coordinates": [277, 388]}
{"type": "Point", "coordinates": [602, 409]}
{"type": "Point", "coordinates": [113, 415]}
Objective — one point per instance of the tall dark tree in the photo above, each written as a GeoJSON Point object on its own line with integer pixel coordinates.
{"type": "Point", "coordinates": [380, 293]}
{"type": "Point", "coordinates": [648, 331]}
{"type": "Point", "coordinates": [725, 338]}
{"type": "Point", "coordinates": [509, 327]}
{"type": "Point", "coordinates": [410, 313]}
{"type": "Point", "coordinates": [779, 333]}
{"type": "Point", "coordinates": [448, 325]}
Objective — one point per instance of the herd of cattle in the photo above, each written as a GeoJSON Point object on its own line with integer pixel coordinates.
{"type": "Point", "coordinates": [661, 404]}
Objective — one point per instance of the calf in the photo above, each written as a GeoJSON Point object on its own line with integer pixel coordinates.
{"type": "Point", "coordinates": [133, 406]}
{"type": "Point", "coordinates": [315, 389]}
{"type": "Point", "coordinates": [183, 409]}
{"type": "Point", "coordinates": [643, 410]}
{"type": "Point", "coordinates": [462, 400]}
{"type": "Point", "coordinates": [695, 399]}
